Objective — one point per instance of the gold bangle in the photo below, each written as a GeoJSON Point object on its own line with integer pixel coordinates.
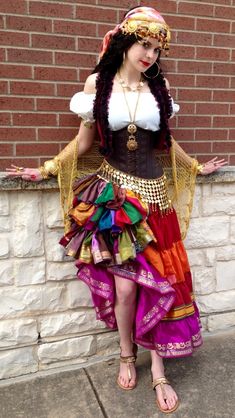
{"type": "Point", "coordinates": [49, 168]}
{"type": "Point", "coordinates": [200, 168]}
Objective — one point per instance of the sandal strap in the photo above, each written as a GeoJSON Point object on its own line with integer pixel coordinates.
{"type": "Point", "coordinates": [160, 381]}
{"type": "Point", "coordinates": [128, 359]}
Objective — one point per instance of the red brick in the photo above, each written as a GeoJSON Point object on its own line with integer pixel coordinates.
{"type": "Point", "coordinates": [34, 119]}
{"type": "Point", "coordinates": [68, 120]}
{"type": "Point", "coordinates": [187, 108]}
{"type": "Point", "coordinates": [96, 14]}
{"type": "Point", "coordinates": [2, 54]}
{"type": "Point", "coordinates": [182, 51]}
{"type": "Point", "coordinates": [5, 118]}
{"type": "Point", "coordinates": [57, 134]}
{"type": "Point", "coordinates": [53, 104]}
{"type": "Point", "coordinates": [68, 90]}
{"type": "Point", "coordinates": [17, 134]}
{"type": "Point", "coordinates": [26, 162]}
{"type": "Point", "coordinates": [16, 103]}
{"type": "Point", "coordinates": [225, 2]}
{"type": "Point", "coordinates": [212, 81]}
{"type": "Point", "coordinates": [223, 96]}
{"type": "Point", "coordinates": [1, 22]}
{"type": "Point", "coordinates": [30, 56]}
{"type": "Point", "coordinates": [12, 6]}
{"type": "Point", "coordinates": [195, 67]}
{"type": "Point", "coordinates": [194, 95]}
{"type": "Point", "coordinates": [26, 23]}
{"type": "Point", "coordinates": [53, 42]}
{"type": "Point", "coordinates": [233, 83]}
{"type": "Point", "coordinates": [224, 40]}
{"type": "Point", "coordinates": [75, 59]}
{"type": "Point", "coordinates": [13, 38]}
{"type": "Point", "coordinates": [37, 149]}
{"type": "Point", "coordinates": [194, 121]}
{"type": "Point", "coordinates": [103, 28]}
{"type": "Point", "coordinates": [224, 147]}
{"type": "Point", "coordinates": [53, 73]}
{"type": "Point", "coordinates": [6, 150]}
{"type": "Point", "coordinates": [225, 12]}
{"type": "Point", "coordinates": [212, 25]}
{"type": "Point", "coordinates": [53, 9]}
{"type": "Point", "coordinates": [180, 22]}
{"type": "Point", "coordinates": [83, 74]}
{"type": "Point", "coordinates": [232, 109]}
{"type": "Point", "coordinates": [15, 71]}
{"type": "Point", "coordinates": [196, 147]}
{"type": "Point", "coordinates": [224, 68]}
{"type": "Point", "coordinates": [183, 134]}
{"type": "Point", "coordinates": [181, 80]}
{"type": "Point", "coordinates": [232, 134]}
{"type": "Point", "coordinates": [89, 45]}
{"type": "Point", "coordinates": [118, 3]}
{"type": "Point", "coordinates": [163, 6]}
{"type": "Point", "coordinates": [211, 134]}
{"type": "Point", "coordinates": [3, 87]}
{"type": "Point", "coordinates": [224, 121]}
{"type": "Point", "coordinates": [212, 53]}
{"type": "Point", "coordinates": [28, 88]}
{"type": "Point", "coordinates": [204, 158]}
{"type": "Point", "coordinates": [231, 160]}
{"type": "Point", "coordinates": [74, 28]}
{"type": "Point", "coordinates": [194, 38]}
{"type": "Point", "coordinates": [212, 109]}
{"type": "Point", "coordinates": [195, 9]}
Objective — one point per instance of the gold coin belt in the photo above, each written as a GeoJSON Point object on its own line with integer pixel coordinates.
{"type": "Point", "coordinates": [151, 191]}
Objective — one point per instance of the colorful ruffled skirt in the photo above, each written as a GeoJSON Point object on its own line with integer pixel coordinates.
{"type": "Point", "coordinates": [114, 232]}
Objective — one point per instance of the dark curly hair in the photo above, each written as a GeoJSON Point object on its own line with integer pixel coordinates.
{"type": "Point", "coordinates": [108, 66]}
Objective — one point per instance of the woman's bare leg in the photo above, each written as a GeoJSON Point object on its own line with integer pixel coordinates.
{"type": "Point", "coordinates": [157, 370]}
{"type": "Point", "coordinates": [125, 306]}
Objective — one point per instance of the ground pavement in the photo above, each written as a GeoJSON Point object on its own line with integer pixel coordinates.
{"type": "Point", "coordinates": [205, 384]}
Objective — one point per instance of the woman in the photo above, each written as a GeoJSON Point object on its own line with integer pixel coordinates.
{"type": "Point", "coordinates": [124, 231]}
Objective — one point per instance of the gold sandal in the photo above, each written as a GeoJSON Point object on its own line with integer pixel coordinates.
{"type": "Point", "coordinates": [162, 381]}
{"type": "Point", "coordinates": [129, 360]}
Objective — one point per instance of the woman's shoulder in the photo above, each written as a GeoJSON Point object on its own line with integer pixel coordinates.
{"type": "Point", "coordinates": [90, 84]}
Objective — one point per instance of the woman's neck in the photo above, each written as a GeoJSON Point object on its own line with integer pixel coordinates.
{"type": "Point", "coordinates": [129, 74]}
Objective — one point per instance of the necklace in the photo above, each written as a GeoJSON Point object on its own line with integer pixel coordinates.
{"type": "Point", "coordinates": [132, 143]}
{"type": "Point", "coordinates": [126, 86]}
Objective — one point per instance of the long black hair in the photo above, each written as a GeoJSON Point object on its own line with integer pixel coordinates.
{"type": "Point", "coordinates": [108, 66]}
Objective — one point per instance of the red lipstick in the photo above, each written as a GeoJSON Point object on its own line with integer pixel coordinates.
{"type": "Point", "coordinates": [146, 64]}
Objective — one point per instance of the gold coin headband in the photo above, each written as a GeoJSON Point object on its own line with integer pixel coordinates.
{"type": "Point", "coordinates": [144, 22]}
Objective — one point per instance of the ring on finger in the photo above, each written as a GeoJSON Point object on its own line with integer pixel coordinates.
{"type": "Point", "coordinates": [19, 169]}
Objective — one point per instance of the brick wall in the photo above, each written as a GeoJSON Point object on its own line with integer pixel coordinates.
{"type": "Point", "coordinates": [49, 47]}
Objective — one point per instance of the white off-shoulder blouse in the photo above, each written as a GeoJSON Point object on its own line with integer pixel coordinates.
{"type": "Point", "coordinates": [147, 113]}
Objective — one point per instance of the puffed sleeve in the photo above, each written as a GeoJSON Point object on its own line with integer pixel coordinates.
{"type": "Point", "coordinates": [175, 108]}
{"type": "Point", "coordinates": [82, 104]}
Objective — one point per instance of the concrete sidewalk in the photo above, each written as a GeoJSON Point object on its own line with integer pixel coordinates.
{"type": "Point", "coordinates": [205, 384]}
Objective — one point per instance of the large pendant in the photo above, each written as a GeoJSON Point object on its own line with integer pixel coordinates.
{"type": "Point", "coordinates": [132, 144]}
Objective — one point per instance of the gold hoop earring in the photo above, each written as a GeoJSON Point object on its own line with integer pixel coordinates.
{"type": "Point", "coordinates": [158, 66]}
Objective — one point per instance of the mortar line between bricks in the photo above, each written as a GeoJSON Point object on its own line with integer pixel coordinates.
{"type": "Point", "coordinates": [96, 394]}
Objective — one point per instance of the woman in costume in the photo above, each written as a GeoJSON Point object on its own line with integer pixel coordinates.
{"type": "Point", "coordinates": [123, 230]}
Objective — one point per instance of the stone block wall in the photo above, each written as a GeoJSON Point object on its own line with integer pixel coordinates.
{"type": "Point", "coordinates": [46, 315]}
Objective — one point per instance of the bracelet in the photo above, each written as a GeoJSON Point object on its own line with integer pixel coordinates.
{"type": "Point", "coordinates": [49, 168]}
{"type": "Point", "coordinates": [200, 168]}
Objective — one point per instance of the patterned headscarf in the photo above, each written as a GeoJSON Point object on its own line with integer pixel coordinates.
{"type": "Point", "coordinates": [144, 22]}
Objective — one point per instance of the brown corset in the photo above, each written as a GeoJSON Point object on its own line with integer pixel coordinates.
{"type": "Point", "coordinates": [142, 162]}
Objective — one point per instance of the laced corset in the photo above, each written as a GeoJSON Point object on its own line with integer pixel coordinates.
{"type": "Point", "coordinates": [142, 162]}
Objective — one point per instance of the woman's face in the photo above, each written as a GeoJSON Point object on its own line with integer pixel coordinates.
{"type": "Point", "coordinates": [143, 53]}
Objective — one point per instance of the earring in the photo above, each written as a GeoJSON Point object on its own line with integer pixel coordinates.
{"type": "Point", "coordinates": [158, 66]}
{"type": "Point", "coordinates": [124, 56]}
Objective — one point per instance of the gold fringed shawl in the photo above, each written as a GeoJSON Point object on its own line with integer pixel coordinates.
{"type": "Point", "coordinates": [180, 169]}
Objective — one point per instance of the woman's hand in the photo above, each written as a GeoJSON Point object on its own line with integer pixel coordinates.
{"type": "Point", "coordinates": [30, 174]}
{"type": "Point", "coordinates": [212, 165]}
